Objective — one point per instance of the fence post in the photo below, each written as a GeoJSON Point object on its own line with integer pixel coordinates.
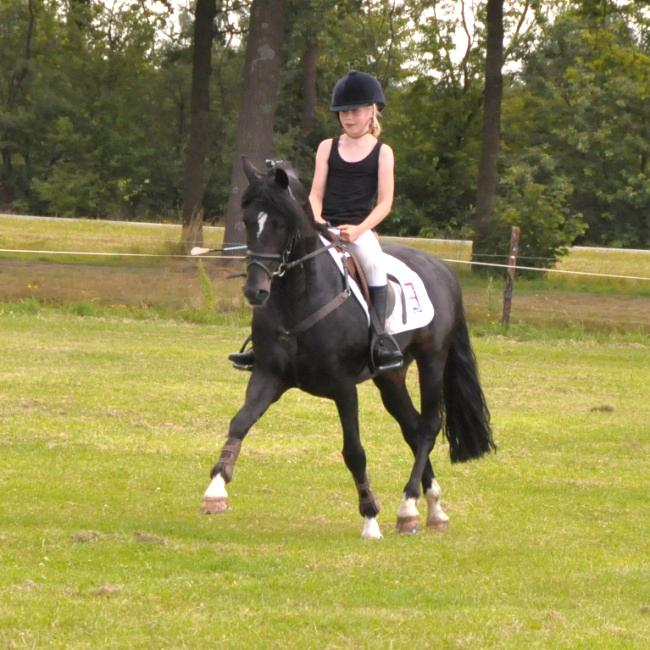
{"type": "Point", "coordinates": [510, 276]}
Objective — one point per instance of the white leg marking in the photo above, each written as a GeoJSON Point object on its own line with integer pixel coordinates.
{"type": "Point", "coordinates": [407, 508]}
{"type": "Point", "coordinates": [435, 513]}
{"type": "Point", "coordinates": [261, 221]}
{"type": "Point", "coordinates": [371, 529]}
{"type": "Point", "coordinates": [216, 489]}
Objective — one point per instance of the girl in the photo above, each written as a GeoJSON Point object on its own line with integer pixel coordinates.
{"type": "Point", "coordinates": [352, 191]}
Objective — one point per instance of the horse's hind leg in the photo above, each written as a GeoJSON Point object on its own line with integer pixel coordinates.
{"type": "Point", "coordinates": [355, 460]}
{"type": "Point", "coordinates": [419, 431]}
{"type": "Point", "coordinates": [430, 370]}
{"type": "Point", "coordinates": [398, 403]}
{"type": "Point", "coordinates": [261, 392]}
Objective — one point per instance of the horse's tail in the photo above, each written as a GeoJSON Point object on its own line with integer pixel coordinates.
{"type": "Point", "coordinates": [467, 418]}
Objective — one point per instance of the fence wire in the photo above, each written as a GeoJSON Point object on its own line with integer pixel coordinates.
{"type": "Point", "coordinates": [242, 257]}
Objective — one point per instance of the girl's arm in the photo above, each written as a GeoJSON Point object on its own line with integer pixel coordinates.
{"type": "Point", "coordinates": [320, 179]}
{"type": "Point", "coordinates": [385, 192]}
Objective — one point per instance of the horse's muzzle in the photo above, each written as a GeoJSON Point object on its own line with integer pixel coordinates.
{"type": "Point", "coordinates": [256, 295]}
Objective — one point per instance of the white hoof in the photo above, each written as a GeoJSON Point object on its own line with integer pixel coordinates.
{"type": "Point", "coordinates": [215, 498]}
{"type": "Point", "coordinates": [408, 517]}
{"type": "Point", "coordinates": [371, 529]}
{"type": "Point", "coordinates": [436, 517]}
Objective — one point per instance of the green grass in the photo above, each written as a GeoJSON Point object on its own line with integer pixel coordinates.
{"type": "Point", "coordinates": [94, 235]}
{"type": "Point", "coordinates": [110, 425]}
{"type": "Point", "coordinates": [170, 286]}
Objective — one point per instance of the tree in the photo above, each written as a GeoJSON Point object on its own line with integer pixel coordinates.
{"type": "Point", "coordinates": [586, 89]}
{"type": "Point", "coordinates": [12, 89]}
{"type": "Point", "coordinates": [488, 164]}
{"type": "Point", "coordinates": [434, 117]}
{"type": "Point", "coordinates": [199, 138]}
{"type": "Point", "coordinates": [258, 101]}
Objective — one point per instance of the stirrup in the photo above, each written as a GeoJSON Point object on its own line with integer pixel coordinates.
{"type": "Point", "coordinates": [244, 359]}
{"type": "Point", "coordinates": [385, 353]}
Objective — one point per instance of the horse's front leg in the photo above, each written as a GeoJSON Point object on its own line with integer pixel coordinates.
{"type": "Point", "coordinates": [263, 389]}
{"type": "Point", "coordinates": [355, 460]}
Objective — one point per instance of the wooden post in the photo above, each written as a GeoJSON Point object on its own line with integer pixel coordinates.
{"type": "Point", "coordinates": [510, 276]}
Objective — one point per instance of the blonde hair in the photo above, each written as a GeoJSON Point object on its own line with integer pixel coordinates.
{"type": "Point", "coordinates": [375, 123]}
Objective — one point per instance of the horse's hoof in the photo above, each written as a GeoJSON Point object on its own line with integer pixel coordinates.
{"type": "Point", "coordinates": [371, 529]}
{"type": "Point", "coordinates": [439, 525]}
{"type": "Point", "coordinates": [408, 525]}
{"type": "Point", "coordinates": [214, 505]}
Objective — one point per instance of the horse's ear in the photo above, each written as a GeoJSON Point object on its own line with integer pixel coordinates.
{"type": "Point", "coordinates": [250, 170]}
{"type": "Point", "coordinates": [281, 178]}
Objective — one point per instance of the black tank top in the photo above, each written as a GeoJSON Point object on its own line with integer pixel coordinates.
{"type": "Point", "coordinates": [351, 187]}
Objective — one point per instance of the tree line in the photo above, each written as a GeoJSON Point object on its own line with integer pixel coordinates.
{"type": "Point", "coordinates": [127, 110]}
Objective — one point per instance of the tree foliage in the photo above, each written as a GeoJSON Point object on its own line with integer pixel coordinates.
{"type": "Point", "coordinates": [95, 110]}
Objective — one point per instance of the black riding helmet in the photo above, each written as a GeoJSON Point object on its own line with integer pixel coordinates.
{"type": "Point", "coordinates": [357, 89]}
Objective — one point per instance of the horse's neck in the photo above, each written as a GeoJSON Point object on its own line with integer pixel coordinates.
{"type": "Point", "coordinates": [303, 285]}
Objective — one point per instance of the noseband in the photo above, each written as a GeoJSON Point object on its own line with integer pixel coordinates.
{"type": "Point", "coordinates": [282, 258]}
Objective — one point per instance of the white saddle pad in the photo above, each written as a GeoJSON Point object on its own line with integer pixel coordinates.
{"type": "Point", "coordinates": [413, 308]}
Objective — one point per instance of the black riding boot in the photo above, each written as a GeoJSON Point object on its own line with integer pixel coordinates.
{"type": "Point", "coordinates": [244, 359]}
{"type": "Point", "coordinates": [384, 349]}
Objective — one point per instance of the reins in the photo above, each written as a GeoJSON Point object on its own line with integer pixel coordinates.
{"type": "Point", "coordinates": [328, 307]}
{"type": "Point", "coordinates": [257, 259]}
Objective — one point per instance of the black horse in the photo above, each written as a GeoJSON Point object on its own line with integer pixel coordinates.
{"type": "Point", "coordinates": [308, 334]}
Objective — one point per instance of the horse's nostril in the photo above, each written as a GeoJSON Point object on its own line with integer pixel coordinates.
{"type": "Point", "coordinates": [256, 296]}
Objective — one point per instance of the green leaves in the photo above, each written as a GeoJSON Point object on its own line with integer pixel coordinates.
{"type": "Point", "coordinates": [94, 110]}
{"type": "Point", "coordinates": [586, 90]}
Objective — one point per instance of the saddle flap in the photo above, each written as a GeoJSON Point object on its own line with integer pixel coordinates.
{"type": "Point", "coordinates": [356, 272]}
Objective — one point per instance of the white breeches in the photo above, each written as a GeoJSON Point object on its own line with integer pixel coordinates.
{"type": "Point", "coordinates": [367, 250]}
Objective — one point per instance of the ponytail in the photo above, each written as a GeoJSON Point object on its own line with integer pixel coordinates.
{"type": "Point", "coordinates": [375, 124]}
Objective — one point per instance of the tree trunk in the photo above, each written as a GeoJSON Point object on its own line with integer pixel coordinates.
{"type": "Point", "coordinates": [199, 138]}
{"type": "Point", "coordinates": [309, 76]}
{"type": "Point", "coordinates": [259, 96]}
{"type": "Point", "coordinates": [488, 165]}
{"type": "Point", "coordinates": [13, 91]}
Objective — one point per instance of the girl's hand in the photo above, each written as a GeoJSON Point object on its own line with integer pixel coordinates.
{"type": "Point", "coordinates": [350, 232]}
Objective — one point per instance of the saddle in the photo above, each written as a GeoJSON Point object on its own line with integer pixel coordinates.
{"type": "Point", "coordinates": [409, 306]}
{"type": "Point", "coordinates": [356, 273]}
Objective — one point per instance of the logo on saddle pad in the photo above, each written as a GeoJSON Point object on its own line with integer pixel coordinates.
{"type": "Point", "coordinates": [413, 308]}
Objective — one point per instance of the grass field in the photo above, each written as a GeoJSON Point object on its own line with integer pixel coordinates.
{"type": "Point", "coordinates": [110, 426]}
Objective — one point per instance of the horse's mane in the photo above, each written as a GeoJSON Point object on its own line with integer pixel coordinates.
{"type": "Point", "coordinates": [292, 201]}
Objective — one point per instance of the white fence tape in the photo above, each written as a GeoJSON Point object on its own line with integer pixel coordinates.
{"type": "Point", "coordinates": [544, 270]}
{"type": "Point", "coordinates": [103, 254]}
{"type": "Point", "coordinates": [240, 257]}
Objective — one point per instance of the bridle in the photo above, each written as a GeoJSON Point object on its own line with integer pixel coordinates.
{"type": "Point", "coordinates": [283, 257]}
{"type": "Point", "coordinates": [285, 264]}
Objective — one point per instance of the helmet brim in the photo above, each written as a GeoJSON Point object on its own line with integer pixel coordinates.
{"type": "Point", "coordinates": [351, 107]}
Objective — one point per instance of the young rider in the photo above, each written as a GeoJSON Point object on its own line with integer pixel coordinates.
{"type": "Point", "coordinates": [352, 191]}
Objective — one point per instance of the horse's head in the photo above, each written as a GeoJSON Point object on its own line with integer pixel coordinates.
{"type": "Point", "coordinates": [276, 214]}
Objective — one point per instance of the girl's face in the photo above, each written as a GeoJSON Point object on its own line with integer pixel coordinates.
{"type": "Point", "coordinates": [356, 122]}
